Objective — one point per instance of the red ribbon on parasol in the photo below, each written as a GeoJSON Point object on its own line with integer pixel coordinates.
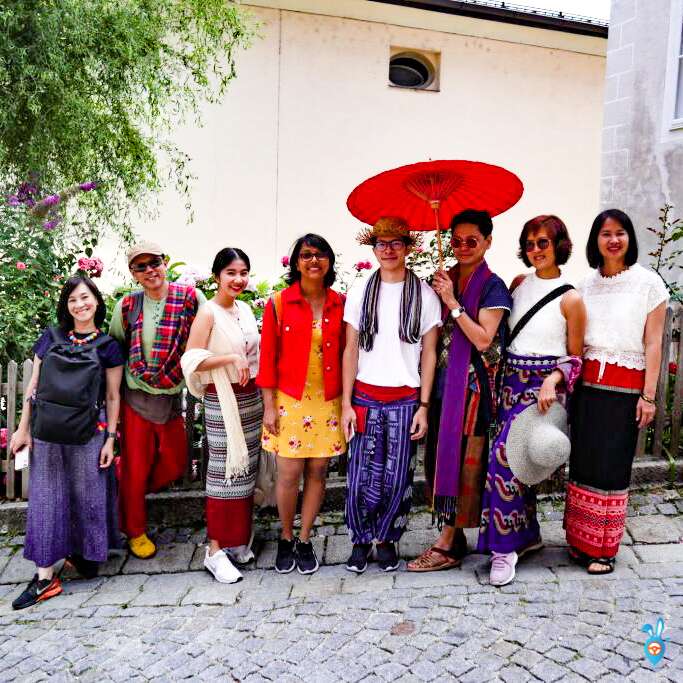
{"type": "Point", "coordinates": [428, 194]}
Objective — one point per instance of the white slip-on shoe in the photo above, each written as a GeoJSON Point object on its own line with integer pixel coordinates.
{"type": "Point", "coordinates": [220, 566]}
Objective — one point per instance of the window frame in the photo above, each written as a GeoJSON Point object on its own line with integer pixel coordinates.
{"type": "Point", "coordinates": [673, 125]}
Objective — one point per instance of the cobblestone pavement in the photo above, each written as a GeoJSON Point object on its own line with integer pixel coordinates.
{"type": "Point", "coordinates": [164, 619]}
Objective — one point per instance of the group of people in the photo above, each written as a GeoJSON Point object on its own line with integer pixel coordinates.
{"type": "Point", "coordinates": [505, 385]}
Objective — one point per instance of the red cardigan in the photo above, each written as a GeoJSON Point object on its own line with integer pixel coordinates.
{"type": "Point", "coordinates": [286, 344]}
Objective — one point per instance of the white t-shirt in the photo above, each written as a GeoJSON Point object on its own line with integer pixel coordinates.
{"type": "Point", "coordinates": [392, 362]}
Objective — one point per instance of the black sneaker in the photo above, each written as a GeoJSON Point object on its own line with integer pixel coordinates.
{"type": "Point", "coordinates": [37, 591]}
{"type": "Point", "coordinates": [358, 562]}
{"type": "Point", "coordinates": [306, 561]}
{"type": "Point", "coordinates": [87, 569]}
{"type": "Point", "coordinates": [285, 561]}
{"type": "Point", "coordinates": [387, 558]}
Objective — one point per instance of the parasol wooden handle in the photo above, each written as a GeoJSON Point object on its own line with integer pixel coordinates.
{"type": "Point", "coordinates": [435, 204]}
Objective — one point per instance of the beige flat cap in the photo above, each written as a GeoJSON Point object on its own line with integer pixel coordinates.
{"type": "Point", "coordinates": [144, 248]}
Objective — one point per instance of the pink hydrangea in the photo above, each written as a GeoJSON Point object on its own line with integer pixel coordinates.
{"type": "Point", "coordinates": [92, 266]}
{"type": "Point", "coordinates": [284, 261]}
{"type": "Point", "coordinates": [21, 265]}
{"type": "Point", "coordinates": [3, 438]}
{"type": "Point", "coordinates": [363, 265]}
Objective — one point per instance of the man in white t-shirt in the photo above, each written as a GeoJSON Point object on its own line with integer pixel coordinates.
{"type": "Point", "coordinates": [388, 371]}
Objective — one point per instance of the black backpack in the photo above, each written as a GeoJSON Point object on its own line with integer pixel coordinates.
{"type": "Point", "coordinates": [68, 397]}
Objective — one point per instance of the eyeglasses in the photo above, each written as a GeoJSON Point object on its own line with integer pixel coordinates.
{"type": "Point", "coordinates": [469, 242]}
{"type": "Point", "coordinates": [152, 263]}
{"type": "Point", "coordinates": [542, 244]}
{"type": "Point", "coordinates": [310, 255]}
{"type": "Point", "coordinates": [395, 245]}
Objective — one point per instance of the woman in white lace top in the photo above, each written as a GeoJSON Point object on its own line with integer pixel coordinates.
{"type": "Point", "coordinates": [626, 306]}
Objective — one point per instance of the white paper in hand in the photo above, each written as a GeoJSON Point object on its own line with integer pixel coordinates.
{"type": "Point", "coordinates": [21, 459]}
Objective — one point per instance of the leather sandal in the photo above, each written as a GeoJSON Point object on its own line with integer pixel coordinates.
{"type": "Point", "coordinates": [608, 562]}
{"type": "Point", "coordinates": [433, 560]}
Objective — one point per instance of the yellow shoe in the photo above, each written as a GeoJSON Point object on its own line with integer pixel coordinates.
{"type": "Point", "coordinates": [142, 547]}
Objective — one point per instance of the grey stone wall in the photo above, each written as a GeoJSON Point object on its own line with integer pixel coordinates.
{"type": "Point", "coordinates": [641, 168]}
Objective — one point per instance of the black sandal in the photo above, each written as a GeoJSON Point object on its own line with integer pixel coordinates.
{"type": "Point", "coordinates": [603, 562]}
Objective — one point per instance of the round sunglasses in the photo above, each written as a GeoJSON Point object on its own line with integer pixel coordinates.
{"type": "Point", "coordinates": [542, 243]}
{"type": "Point", "coordinates": [152, 263]}
{"type": "Point", "coordinates": [469, 242]}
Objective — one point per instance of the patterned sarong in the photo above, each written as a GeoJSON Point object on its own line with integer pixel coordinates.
{"type": "Point", "coordinates": [508, 518]}
{"type": "Point", "coordinates": [381, 464]}
{"type": "Point", "coordinates": [229, 505]}
{"type": "Point", "coordinates": [595, 520]}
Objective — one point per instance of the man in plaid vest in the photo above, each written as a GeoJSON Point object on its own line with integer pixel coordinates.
{"type": "Point", "coordinates": [152, 324]}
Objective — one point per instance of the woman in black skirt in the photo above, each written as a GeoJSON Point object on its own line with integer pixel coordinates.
{"type": "Point", "coordinates": [626, 306]}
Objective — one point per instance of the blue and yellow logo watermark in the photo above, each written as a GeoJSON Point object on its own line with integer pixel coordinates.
{"type": "Point", "coordinates": [655, 647]}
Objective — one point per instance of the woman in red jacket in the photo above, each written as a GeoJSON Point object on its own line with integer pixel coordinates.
{"type": "Point", "coordinates": [300, 374]}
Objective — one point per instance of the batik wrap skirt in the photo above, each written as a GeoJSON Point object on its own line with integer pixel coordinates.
{"type": "Point", "coordinates": [508, 518]}
{"type": "Point", "coordinates": [381, 463]}
{"type": "Point", "coordinates": [229, 504]}
{"type": "Point", "coordinates": [604, 437]}
{"type": "Point", "coordinates": [72, 506]}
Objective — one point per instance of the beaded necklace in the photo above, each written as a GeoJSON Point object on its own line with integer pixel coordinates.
{"type": "Point", "coordinates": [76, 341]}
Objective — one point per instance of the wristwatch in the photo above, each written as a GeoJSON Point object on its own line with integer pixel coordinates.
{"type": "Point", "coordinates": [457, 312]}
{"type": "Point", "coordinates": [111, 435]}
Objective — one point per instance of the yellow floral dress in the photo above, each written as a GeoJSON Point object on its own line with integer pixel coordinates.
{"type": "Point", "coordinates": [311, 427]}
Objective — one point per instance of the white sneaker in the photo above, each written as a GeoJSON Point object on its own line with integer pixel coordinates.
{"type": "Point", "coordinates": [220, 566]}
{"type": "Point", "coordinates": [242, 554]}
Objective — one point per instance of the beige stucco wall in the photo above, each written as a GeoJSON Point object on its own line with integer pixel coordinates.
{"type": "Point", "coordinates": [311, 115]}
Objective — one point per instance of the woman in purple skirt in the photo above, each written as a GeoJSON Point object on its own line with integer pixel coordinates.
{"type": "Point", "coordinates": [543, 362]}
{"type": "Point", "coordinates": [69, 423]}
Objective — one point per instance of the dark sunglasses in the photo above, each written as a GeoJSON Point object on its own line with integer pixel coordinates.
{"type": "Point", "coordinates": [394, 244]}
{"type": "Point", "coordinates": [469, 242]}
{"type": "Point", "coordinates": [542, 244]}
{"type": "Point", "coordinates": [310, 255]}
{"type": "Point", "coordinates": [152, 263]}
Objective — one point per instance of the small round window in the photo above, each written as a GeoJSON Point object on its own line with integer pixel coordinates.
{"type": "Point", "coordinates": [410, 70]}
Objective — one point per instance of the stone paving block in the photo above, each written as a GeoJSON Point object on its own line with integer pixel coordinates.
{"type": "Point", "coordinates": [552, 534]}
{"type": "Point", "coordinates": [653, 529]}
{"type": "Point", "coordinates": [659, 570]}
{"type": "Point", "coordinates": [364, 583]}
{"type": "Point", "coordinates": [264, 560]}
{"type": "Point", "coordinates": [18, 569]}
{"type": "Point", "coordinates": [165, 589]}
{"type": "Point", "coordinates": [171, 558]}
{"type": "Point", "coordinates": [316, 588]}
{"type": "Point", "coordinates": [660, 553]}
{"type": "Point", "coordinates": [338, 549]}
{"type": "Point", "coordinates": [206, 590]}
{"type": "Point", "coordinates": [413, 543]}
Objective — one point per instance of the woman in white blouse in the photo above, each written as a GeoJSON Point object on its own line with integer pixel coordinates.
{"type": "Point", "coordinates": [220, 365]}
{"type": "Point", "coordinates": [626, 306]}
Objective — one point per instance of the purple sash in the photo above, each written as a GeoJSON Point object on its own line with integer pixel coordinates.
{"type": "Point", "coordinates": [447, 475]}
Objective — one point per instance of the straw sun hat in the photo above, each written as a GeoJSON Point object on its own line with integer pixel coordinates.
{"type": "Point", "coordinates": [538, 444]}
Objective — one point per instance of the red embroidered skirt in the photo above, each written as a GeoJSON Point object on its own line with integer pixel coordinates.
{"type": "Point", "coordinates": [604, 434]}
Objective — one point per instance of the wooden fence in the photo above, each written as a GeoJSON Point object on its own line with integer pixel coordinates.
{"type": "Point", "coordinates": [661, 440]}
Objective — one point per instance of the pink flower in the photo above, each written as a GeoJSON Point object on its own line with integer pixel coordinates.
{"type": "Point", "coordinates": [673, 368]}
{"type": "Point", "coordinates": [418, 250]}
{"type": "Point", "coordinates": [13, 200]}
{"type": "Point", "coordinates": [86, 187]}
{"type": "Point", "coordinates": [284, 261]}
{"type": "Point", "coordinates": [3, 438]}
{"type": "Point", "coordinates": [21, 265]}
{"type": "Point", "coordinates": [92, 266]}
{"type": "Point", "coordinates": [51, 200]}
{"type": "Point", "coordinates": [51, 224]}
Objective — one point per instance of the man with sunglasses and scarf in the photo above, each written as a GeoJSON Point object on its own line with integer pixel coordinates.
{"type": "Point", "coordinates": [475, 304]}
{"type": "Point", "coordinates": [387, 373]}
{"type": "Point", "coordinates": [152, 324]}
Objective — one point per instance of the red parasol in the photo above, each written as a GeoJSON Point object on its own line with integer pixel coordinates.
{"type": "Point", "coordinates": [428, 194]}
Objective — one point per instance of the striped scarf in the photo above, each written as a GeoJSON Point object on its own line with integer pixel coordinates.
{"type": "Point", "coordinates": [410, 315]}
{"type": "Point", "coordinates": [162, 370]}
